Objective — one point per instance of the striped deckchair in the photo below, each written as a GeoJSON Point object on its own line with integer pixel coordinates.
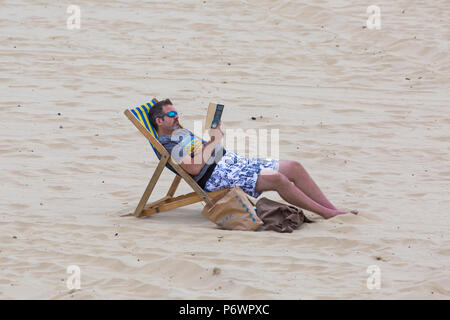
{"type": "Point", "coordinates": [139, 117]}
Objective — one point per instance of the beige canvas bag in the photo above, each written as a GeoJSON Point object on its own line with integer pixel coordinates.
{"type": "Point", "coordinates": [233, 211]}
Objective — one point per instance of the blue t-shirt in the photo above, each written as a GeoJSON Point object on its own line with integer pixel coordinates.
{"type": "Point", "coordinates": [183, 142]}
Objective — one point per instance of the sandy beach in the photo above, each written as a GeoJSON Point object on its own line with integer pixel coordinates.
{"type": "Point", "coordinates": [365, 111]}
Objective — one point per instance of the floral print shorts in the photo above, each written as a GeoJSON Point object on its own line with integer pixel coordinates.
{"type": "Point", "coordinates": [236, 170]}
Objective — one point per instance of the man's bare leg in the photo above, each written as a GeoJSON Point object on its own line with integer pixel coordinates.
{"type": "Point", "coordinates": [274, 180]}
{"type": "Point", "coordinates": [295, 172]}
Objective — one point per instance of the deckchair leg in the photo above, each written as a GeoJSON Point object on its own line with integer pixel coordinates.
{"type": "Point", "coordinates": [151, 185]}
{"type": "Point", "coordinates": [174, 186]}
{"type": "Point", "coordinates": [178, 202]}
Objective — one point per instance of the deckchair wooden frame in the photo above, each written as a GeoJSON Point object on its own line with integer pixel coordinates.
{"type": "Point", "coordinates": [168, 202]}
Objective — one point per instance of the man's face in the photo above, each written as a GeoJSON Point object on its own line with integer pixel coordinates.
{"type": "Point", "coordinates": [168, 124]}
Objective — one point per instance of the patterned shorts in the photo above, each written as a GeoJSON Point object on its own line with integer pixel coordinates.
{"type": "Point", "coordinates": [236, 170]}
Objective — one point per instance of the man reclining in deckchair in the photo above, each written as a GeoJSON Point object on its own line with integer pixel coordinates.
{"type": "Point", "coordinates": [223, 169]}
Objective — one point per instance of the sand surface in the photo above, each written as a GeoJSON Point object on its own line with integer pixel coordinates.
{"type": "Point", "coordinates": [365, 111]}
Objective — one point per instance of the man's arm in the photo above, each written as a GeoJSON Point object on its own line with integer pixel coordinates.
{"type": "Point", "coordinates": [194, 165]}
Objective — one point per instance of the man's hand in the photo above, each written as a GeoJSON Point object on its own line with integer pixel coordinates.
{"type": "Point", "coordinates": [216, 134]}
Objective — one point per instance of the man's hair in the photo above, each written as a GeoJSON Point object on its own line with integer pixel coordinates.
{"type": "Point", "coordinates": [157, 112]}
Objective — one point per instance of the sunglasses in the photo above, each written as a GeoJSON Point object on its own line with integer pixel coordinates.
{"type": "Point", "coordinates": [170, 114]}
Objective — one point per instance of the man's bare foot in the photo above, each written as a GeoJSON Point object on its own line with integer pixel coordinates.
{"type": "Point", "coordinates": [339, 212]}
